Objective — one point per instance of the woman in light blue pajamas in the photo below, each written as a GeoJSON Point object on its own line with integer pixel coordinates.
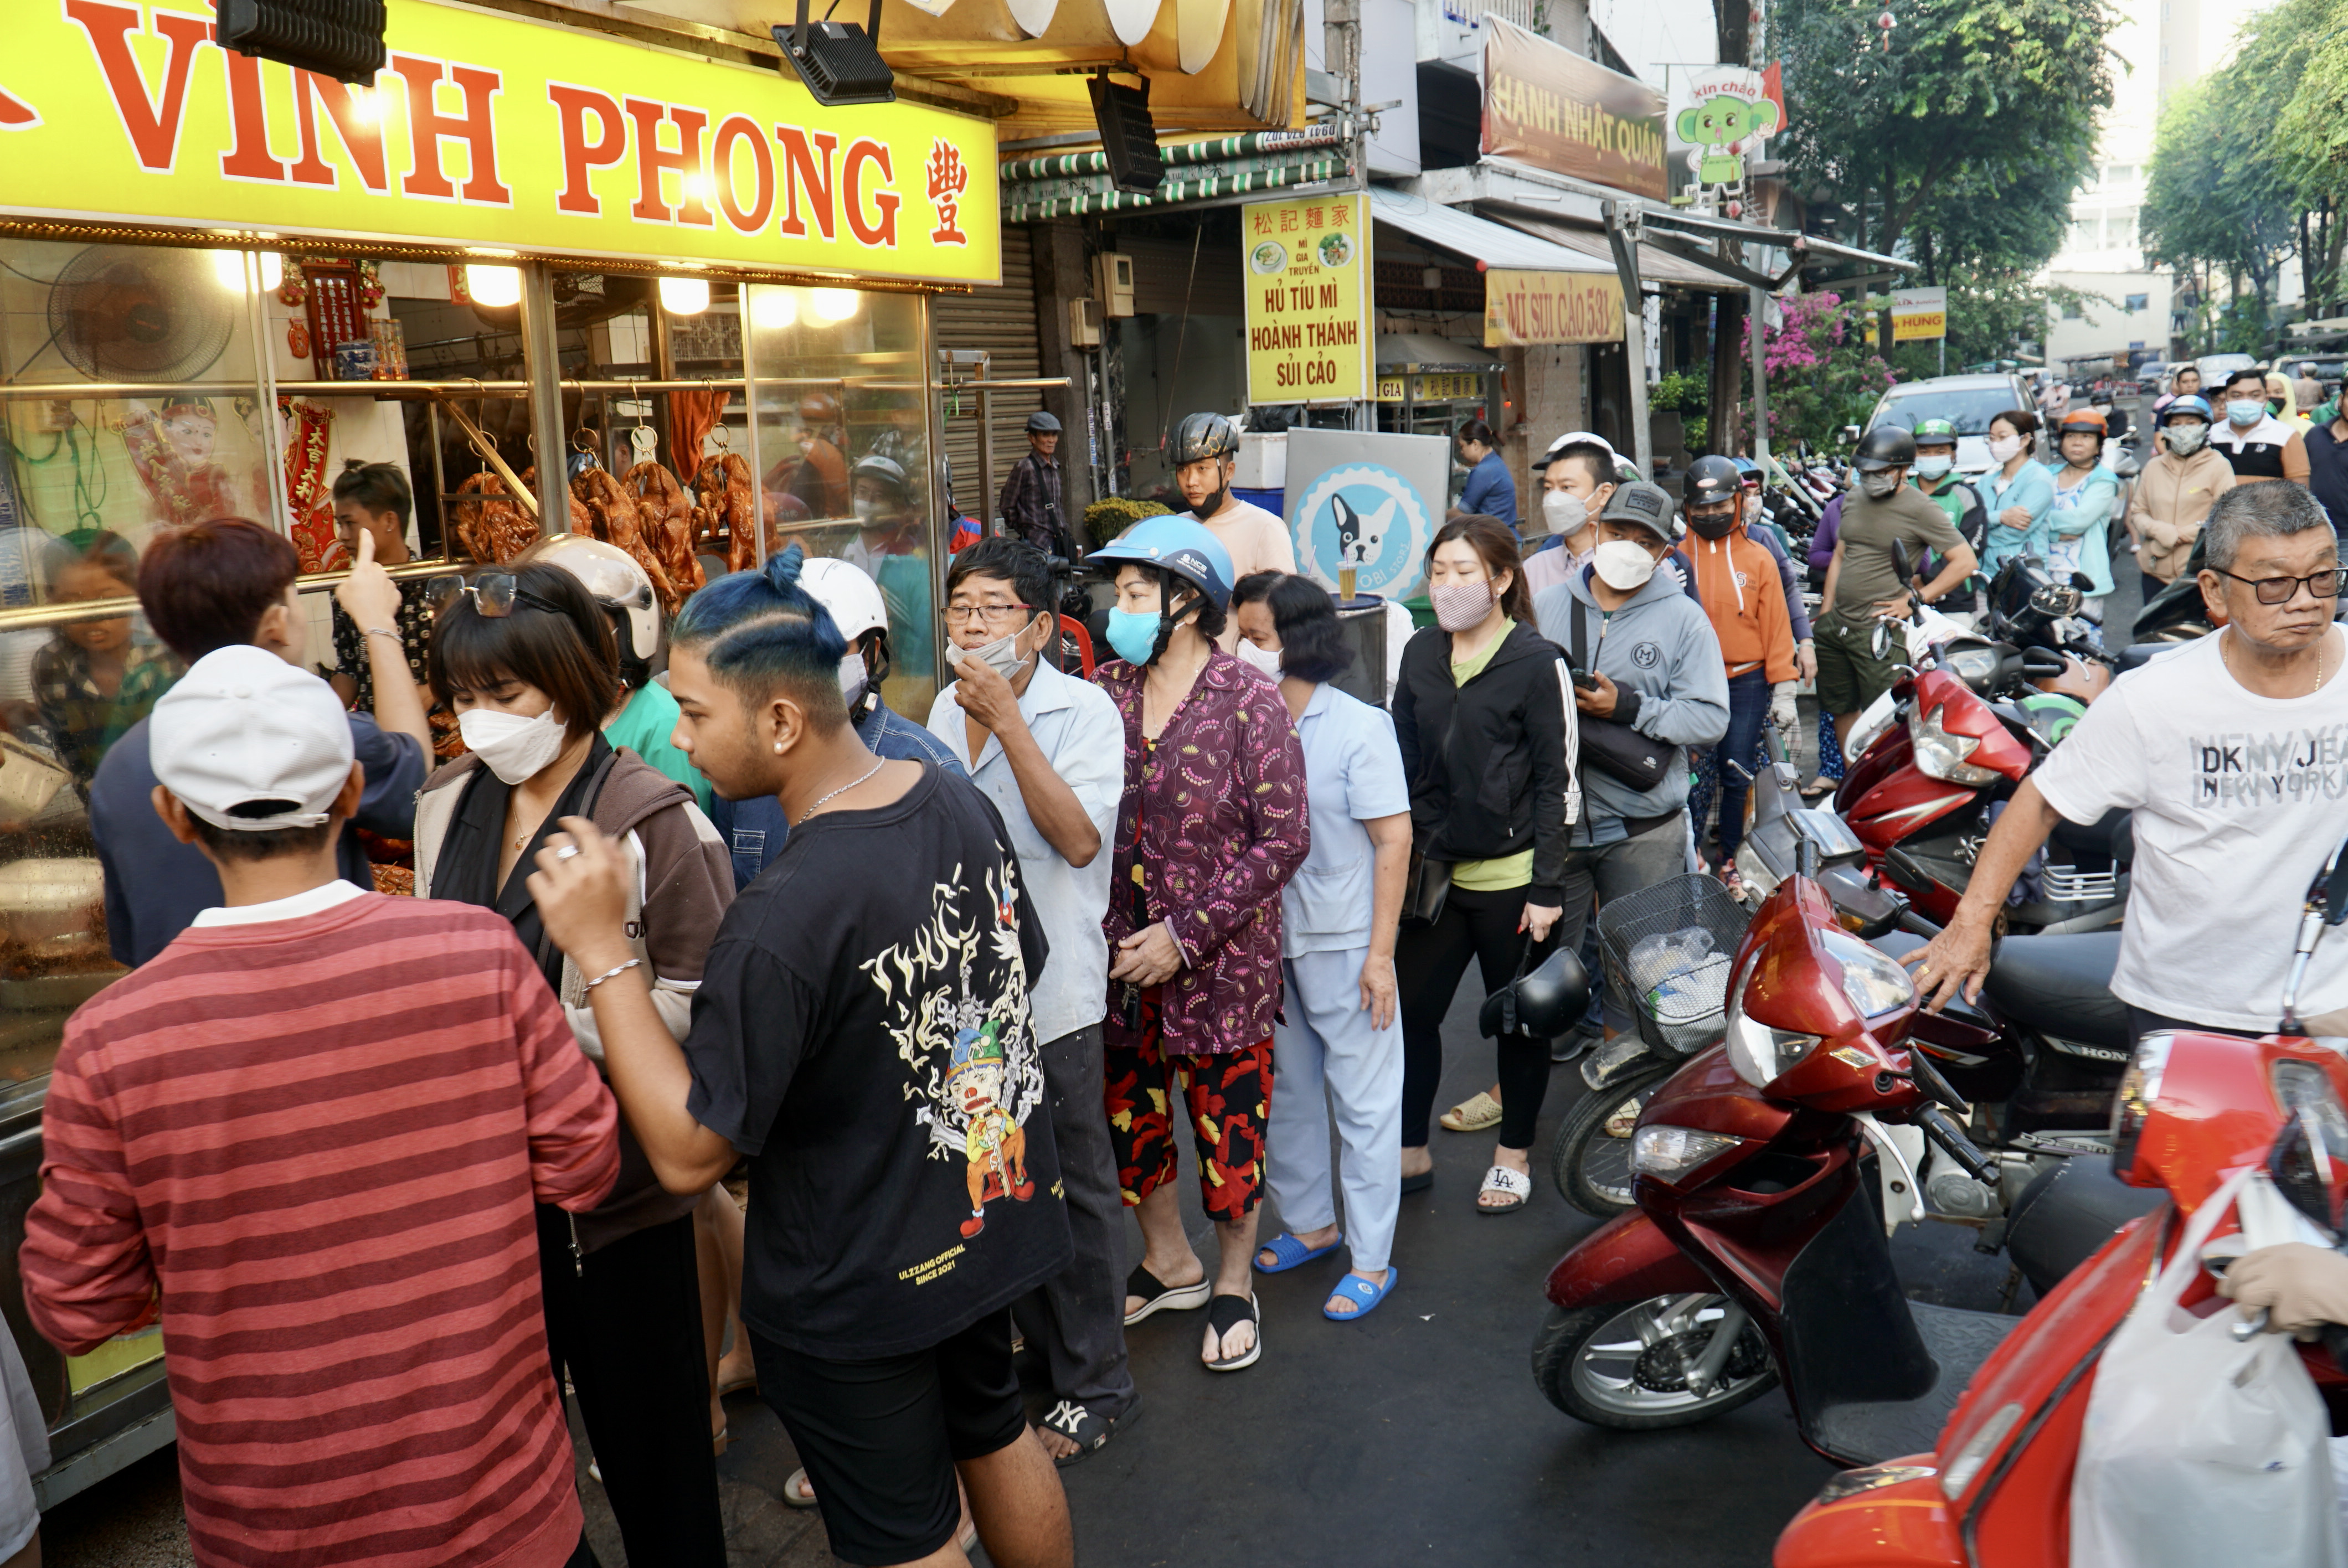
{"type": "Point", "coordinates": [1340, 1026]}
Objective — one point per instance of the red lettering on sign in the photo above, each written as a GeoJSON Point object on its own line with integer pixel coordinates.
{"type": "Point", "coordinates": [475, 125]}
{"type": "Point", "coordinates": [742, 129]}
{"type": "Point", "coordinates": [362, 133]}
{"type": "Point", "coordinates": [881, 231]}
{"type": "Point", "coordinates": [572, 105]}
{"type": "Point", "coordinates": [247, 157]}
{"type": "Point", "coordinates": [151, 120]}
{"type": "Point", "coordinates": [653, 161]}
{"type": "Point", "coordinates": [800, 163]}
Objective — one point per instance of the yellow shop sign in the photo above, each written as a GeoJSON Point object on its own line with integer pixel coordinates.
{"type": "Point", "coordinates": [488, 131]}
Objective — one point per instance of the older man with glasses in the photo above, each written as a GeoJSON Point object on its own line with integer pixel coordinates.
{"type": "Point", "coordinates": [2232, 755]}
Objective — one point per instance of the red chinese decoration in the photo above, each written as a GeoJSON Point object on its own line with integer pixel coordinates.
{"type": "Point", "coordinates": [309, 500]}
{"type": "Point", "coordinates": [948, 180]}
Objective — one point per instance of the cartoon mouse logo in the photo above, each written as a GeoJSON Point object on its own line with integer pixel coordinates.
{"type": "Point", "coordinates": [994, 1145]}
{"type": "Point", "coordinates": [1731, 115]}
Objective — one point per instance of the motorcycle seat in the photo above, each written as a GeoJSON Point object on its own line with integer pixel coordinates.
{"type": "Point", "coordinates": [2062, 986]}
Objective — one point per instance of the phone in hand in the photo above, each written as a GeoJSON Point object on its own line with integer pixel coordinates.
{"type": "Point", "coordinates": [1583, 680]}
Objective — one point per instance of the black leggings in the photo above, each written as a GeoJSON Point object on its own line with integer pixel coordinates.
{"type": "Point", "coordinates": [1428, 963]}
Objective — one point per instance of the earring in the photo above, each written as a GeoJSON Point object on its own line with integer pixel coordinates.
{"type": "Point", "coordinates": [778, 748]}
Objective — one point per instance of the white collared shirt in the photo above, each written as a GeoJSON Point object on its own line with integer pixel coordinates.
{"type": "Point", "coordinates": [1352, 770]}
{"type": "Point", "coordinates": [297, 906]}
{"type": "Point", "coordinates": [1078, 728]}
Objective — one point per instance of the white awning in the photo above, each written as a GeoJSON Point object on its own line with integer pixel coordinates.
{"type": "Point", "coordinates": [1475, 239]}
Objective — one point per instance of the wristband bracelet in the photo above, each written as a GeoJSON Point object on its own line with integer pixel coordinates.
{"type": "Point", "coordinates": [386, 632]}
{"type": "Point", "coordinates": [615, 970]}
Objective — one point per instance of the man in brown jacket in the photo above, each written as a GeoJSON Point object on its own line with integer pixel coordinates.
{"type": "Point", "coordinates": [2176, 491]}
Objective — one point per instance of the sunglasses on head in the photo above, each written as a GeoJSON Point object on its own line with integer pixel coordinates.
{"type": "Point", "coordinates": [495, 594]}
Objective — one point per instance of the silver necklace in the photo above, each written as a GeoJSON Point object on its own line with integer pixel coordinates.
{"type": "Point", "coordinates": [841, 791]}
{"type": "Point", "coordinates": [2321, 647]}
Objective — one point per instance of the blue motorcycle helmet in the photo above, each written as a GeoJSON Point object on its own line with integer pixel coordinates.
{"type": "Point", "coordinates": [1177, 549]}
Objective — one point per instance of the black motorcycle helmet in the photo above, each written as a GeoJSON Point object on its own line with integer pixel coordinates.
{"type": "Point", "coordinates": [1711, 481]}
{"type": "Point", "coordinates": [1544, 1004]}
{"type": "Point", "coordinates": [1203, 436]}
{"type": "Point", "coordinates": [1885, 447]}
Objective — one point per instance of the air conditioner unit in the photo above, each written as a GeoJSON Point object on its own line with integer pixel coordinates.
{"type": "Point", "coordinates": [1084, 323]}
{"type": "Point", "coordinates": [1113, 282]}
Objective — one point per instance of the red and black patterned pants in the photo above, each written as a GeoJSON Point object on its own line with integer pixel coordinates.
{"type": "Point", "coordinates": [1228, 1097]}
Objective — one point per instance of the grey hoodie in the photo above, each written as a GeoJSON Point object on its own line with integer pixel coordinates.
{"type": "Point", "coordinates": [1661, 652]}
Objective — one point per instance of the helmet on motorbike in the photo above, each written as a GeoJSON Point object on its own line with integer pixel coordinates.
{"type": "Point", "coordinates": [2192, 402]}
{"type": "Point", "coordinates": [1886, 445]}
{"type": "Point", "coordinates": [1175, 544]}
{"type": "Point", "coordinates": [851, 599]}
{"type": "Point", "coordinates": [1544, 1003]}
{"type": "Point", "coordinates": [1936, 433]}
{"type": "Point", "coordinates": [619, 584]}
{"type": "Point", "coordinates": [1709, 480]}
{"type": "Point", "coordinates": [2051, 715]}
{"type": "Point", "coordinates": [1201, 435]}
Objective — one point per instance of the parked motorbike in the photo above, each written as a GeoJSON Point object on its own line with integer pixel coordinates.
{"type": "Point", "coordinates": [1769, 1173]}
{"type": "Point", "coordinates": [1995, 1486]}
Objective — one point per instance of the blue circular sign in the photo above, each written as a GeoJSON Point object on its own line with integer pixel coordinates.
{"type": "Point", "coordinates": [1367, 516]}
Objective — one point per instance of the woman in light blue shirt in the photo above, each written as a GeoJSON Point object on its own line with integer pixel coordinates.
{"type": "Point", "coordinates": [1340, 1024]}
{"type": "Point", "coordinates": [2016, 495]}
{"type": "Point", "coordinates": [2079, 519]}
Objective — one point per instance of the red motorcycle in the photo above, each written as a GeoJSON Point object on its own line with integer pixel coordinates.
{"type": "Point", "coordinates": [1768, 1175]}
{"type": "Point", "coordinates": [1996, 1487]}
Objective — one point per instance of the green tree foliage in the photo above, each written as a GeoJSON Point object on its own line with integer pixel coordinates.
{"type": "Point", "coordinates": [2216, 196]}
{"type": "Point", "coordinates": [1822, 368]}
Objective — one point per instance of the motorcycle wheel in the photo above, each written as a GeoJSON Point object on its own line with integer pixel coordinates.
{"type": "Point", "coordinates": [1625, 1365]}
{"type": "Point", "coordinates": [1591, 1160]}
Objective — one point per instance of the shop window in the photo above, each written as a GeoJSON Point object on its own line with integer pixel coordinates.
{"type": "Point", "coordinates": [842, 445]}
{"type": "Point", "coordinates": [2135, 302]}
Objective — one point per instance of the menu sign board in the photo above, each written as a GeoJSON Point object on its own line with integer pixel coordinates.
{"type": "Point", "coordinates": [1549, 107]}
{"type": "Point", "coordinates": [1525, 308]}
{"type": "Point", "coordinates": [1307, 275]}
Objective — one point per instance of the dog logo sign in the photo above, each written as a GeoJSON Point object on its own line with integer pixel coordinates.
{"type": "Point", "coordinates": [1367, 516]}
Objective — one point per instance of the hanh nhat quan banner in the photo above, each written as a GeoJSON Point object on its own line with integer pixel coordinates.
{"type": "Point", "coordinates": [1549, 107]}
{"type": "Point", "coordinates": [488, 131]}
{"type": "Point", "coordinates": [1305, 266]}
{"type": "Point", "coordinates": [1526, 307]}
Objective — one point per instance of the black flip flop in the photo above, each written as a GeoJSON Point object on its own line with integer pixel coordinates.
{"type": "Point", "coordinates": [1225, 1313]}
{"type": "Point", "coordinates": [1157, 1296]}
{"type": "Point", "coordinates": [1420, 1183]}
{"type": "Point", "coordinates": [1088, 1428]}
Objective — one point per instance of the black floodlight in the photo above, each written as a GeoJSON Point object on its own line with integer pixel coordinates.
{"type": "Point", "coordinates": [1128, 135]}
{"type": "Point", "coordinates": [840, 62]}
{"type": "Point", "coordinates": [337, 38]}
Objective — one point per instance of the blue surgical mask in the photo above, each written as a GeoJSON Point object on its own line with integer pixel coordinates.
{"type": "Point", "coordinates": [1934, 466]}
{"type": "Point", "coordinates": [1134, 637]}
{"type": "Point", "coordinates": [2245, 411]}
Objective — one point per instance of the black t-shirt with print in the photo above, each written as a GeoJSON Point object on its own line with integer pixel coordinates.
{"type": "Point", "coordinates": [414, 641]}
{"type": "Point", "coordinates": [862, 1032]}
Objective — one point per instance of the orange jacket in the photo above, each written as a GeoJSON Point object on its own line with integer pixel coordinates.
{"type": "Point", "coordinates": [1736, 582]}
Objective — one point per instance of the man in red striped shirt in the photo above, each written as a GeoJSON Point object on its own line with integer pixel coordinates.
{"type": "Point", "coordinates": [308, 1136]}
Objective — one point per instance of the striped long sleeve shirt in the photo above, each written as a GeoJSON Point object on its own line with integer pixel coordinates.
{"type": "Point", "coordinates": [313, 1147]}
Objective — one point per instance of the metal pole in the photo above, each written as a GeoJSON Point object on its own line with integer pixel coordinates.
{"type": "Point", "coordinates": [542, 358]}
{"type": "Point", "coordinates": [986, 496]}
{"type": "Point", "coordinates": [1756, 304]}
{"type": "Point", "coordinates": [1623, 234]}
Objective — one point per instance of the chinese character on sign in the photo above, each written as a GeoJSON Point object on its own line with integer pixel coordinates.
{"type": "Point", "coordinates": [1288, 220]}
{"type": "Point", "coordinates": [948, 180]}
{"type": "Point", "coordinates": [1313, 217]}
{"type": "Point", "coordinates": [1337, 216]}
{"type": "Point", "coordinates": [1262, 222]}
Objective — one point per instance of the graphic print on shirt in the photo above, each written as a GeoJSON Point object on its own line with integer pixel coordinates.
{"type": "Point", "coordinates": [957, 1001]}
{"type": "Point", "coordinates": [2284, 767]}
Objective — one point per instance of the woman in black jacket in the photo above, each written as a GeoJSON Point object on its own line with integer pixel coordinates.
{"type": "Point", "coordinates": [1486, 732]}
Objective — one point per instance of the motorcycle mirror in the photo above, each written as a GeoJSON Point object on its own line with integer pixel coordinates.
{"type": "Point", "coordinates": [1851, 434]}
{"type": "Point", "coordinates": [2083, 583]}
{"type": "Point", "coordinates": [1899, 563]}
{"type": "Point", "coordinates": [1881, 642]}
{"type": "Point", "coordinates": [1867, 910]}
{"type": "Point", "coordinates": [2039, 664]}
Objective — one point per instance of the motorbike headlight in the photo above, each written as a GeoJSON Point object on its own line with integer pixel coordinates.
{"type": "Point", "coordinates": [2140, 1090]}
{"type": "Point", "coordinates": [1759, 1054]}
{"type": "Point", "coordinates": [1976, 667]}
{"type": "Point", "coordinates": [1670, 1152]}
{"type": "Point", "coordinates": [1875, 982]}
{"type": "Point", "coordinates": [1941, 754]}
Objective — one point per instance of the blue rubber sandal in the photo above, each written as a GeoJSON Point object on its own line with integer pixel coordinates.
{"type": "Point", "coordinates": [1366, 1297]}
{"type": "Point", "coordinates": [1290, 1253]}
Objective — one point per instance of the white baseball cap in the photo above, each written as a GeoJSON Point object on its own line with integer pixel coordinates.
{"type": "Point", "coordinates": [244, 726]}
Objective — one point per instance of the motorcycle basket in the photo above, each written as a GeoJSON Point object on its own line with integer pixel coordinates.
{"type": "Point", "coordinates": [1668, 950]}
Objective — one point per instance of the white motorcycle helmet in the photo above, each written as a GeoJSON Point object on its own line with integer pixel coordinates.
{"type": "Point", "coordinates": [851, 599]}
{"type": "Point", "coordinates": [613, 576]}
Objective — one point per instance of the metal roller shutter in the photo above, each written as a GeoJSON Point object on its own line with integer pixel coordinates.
{"type": "Point", "coordinates": [1165, 281]}
{"type": "Point", "coordinates": [1002, 321]}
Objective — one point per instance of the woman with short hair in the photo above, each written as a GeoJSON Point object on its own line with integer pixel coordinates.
{"type": "Point", "coordinates": [1490, 489]}
{"type": "Point", "coordinates": [1337, 1026]}
{"type": "Point", "coordinates": [2016, 493]}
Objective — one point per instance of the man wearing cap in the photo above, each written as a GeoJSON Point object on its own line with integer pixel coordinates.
{"type": "Point", "coordinates": [1653, 662]}
{"type": "Point", "coordinates": [1032, 508]}
{"type": "Point", "coordinates": [346, 1275]}
{"type": "Point", "coordinates": [1863, 585]}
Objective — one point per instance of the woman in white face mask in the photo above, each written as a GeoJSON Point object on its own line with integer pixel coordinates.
{"type": "Point", "coordinates": [527, 659]}
{"type": "Point", "coordinates": [2174, 494]}
{"type": "Point", "coordinates": [2017, 493]}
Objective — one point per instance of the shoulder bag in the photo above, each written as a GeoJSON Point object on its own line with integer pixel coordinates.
{"type": "Point", "coordinates": [1428, 882]}
{"type": "Point", "coordinates": [1615, 749]}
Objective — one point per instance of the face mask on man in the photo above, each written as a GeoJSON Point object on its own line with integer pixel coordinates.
{"type": "Point", "coordinates": [2244, 412]}
{"type": "Point", "coordinates": [853, 680]}
{"type": "Point", "coordinates": [512, 747]}
{"type": "Point", "coordinates": [2187, 439]}
{"type": "Point", "coordinates": [1001, 655]}
{"type": "Point", "coordinates": [1264, 659]}
{"type": "Point", "coordinates": [1623, 565]}
{"type": "Point", "coordinates": [1879, 483]}
{"type": "Point", "coordinates": [1565, 513]}
{"type": "Point", "coordinates": [2004, 448]}
{"type": "Point", "coordinates": [1935, 466]}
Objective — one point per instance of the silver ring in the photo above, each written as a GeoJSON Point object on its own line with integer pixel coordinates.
{"type": "Point", "coordinates": [566, 852]}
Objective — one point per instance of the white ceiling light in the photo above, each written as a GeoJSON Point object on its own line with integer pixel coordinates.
{"type": "Point", "coordinates": [494, 287]}
{"type": "Point", "coordinates": [835, 304]}
{"type": "Point", "coordinates": [272, 270]}
{"type": "Point", "coordinates": [227, 266]}
{"type": "Point", "coordinates": [773, 307]}
{"type": "Point", "coordinates": [684, 296]}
